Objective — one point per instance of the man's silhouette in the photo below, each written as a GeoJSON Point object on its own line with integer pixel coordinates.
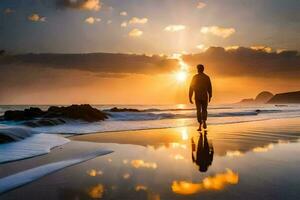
{"type": "Point", "coordinates": [204, 155]}
{"type": "Point", "coordinates": [201, 85]}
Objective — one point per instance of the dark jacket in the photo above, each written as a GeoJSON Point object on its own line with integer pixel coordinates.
{"type": "Point", "coordinates": [201, 85]}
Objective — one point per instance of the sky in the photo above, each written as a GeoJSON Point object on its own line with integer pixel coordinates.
{"type": "Point", "coordinates": [247, 46]}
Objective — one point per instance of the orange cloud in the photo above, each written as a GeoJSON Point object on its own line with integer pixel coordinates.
{"type": "Point", "coordinates": [175, 28]}
{"type": "Point", "coordinates": [218, 31]}
{"type": "Point", "coordinates": [135, 33]}
{"type": "Point", "coordinates": [92, 20]}
{"type": "Point", "coordinates": [36, 18]}
{"type": "Point", "coordinates": [217, 182]}
{"type": "Point", "coordinates": [124, 24]}
{"type": "Point", "coordinates": [136, 20]}
{"type": "Point", "coordinates": [262, 48]}
{"type": "Point", "coordinates": [123, 13]}
{"type": "Point", "coordinates": [93, 5]}
{"type": "Point", "coordinates": [201, 5]}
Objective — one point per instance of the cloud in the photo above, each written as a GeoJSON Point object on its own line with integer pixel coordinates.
{"type": "Point", "coordinates": [262, 48]}
{"type": "Point", "coordinates": [124, 24]}
{"type": "Point", "coordinates": [123, 13]}
{"type": "Point", "coordinates": [135, 33]}
{"type": "Point", "coordinates": [92, 20]}
{"type": "Point", "coordinates": [218, 31]}
{"type": "Point", "coordinates": [93, 5]}
{"type": "Point", "coordinates": [99, 63]}
{"type": "Point", "coordinates": [229, 48]}
{"type": "Point", "coordinates": [8, 11]}
{"type": "Point", "coordinates": [248, 62]}
{"type": "Point", "coordinates": [201, 47]}
{"type": "Point", "coordinates": [175, 28]}
{"type": "Point", "coordinates": [201, 5]}
{"type": "Point", "coordinates": [136, 20]}
{"type": "Point", "coordinates": [36, 18]}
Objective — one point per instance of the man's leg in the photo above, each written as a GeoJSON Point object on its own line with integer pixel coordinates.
{"type": "Point", "coordinates": [199, 114]}
{"type": "Point", "coordinates": [204, 104]}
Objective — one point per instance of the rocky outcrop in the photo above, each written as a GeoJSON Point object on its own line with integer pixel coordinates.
{"type": "Point", "coordinates": [247, 101]}
{"type": "Point", "coordinates": [289, 97]}
{"type": "Point", "coordinates": [115, 109]}
{"type": "Point", "coordinates": [263, 97]}
{"type": "Point", "coordinates": [55, 115]}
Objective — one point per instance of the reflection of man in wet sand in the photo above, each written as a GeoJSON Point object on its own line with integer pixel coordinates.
{"type": "Point", "coordinates": [204, 155]}
{"type": "Point", "coordinates": [201, 85]}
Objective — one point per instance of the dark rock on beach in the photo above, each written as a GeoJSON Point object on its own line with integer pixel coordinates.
{"type": "Point", "coordinates": [115, 109]}
{"type": "Point", "coordinates": [55, 115]}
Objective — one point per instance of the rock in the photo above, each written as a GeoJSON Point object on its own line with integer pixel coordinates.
{"type": "Point", "coordinates": [27, 114]}
{"type": "Point", "coordinates": [115, 109]}
{"type": "Point", "coordinates": [289, 97]}
{"type": "Point", "coordinates": [263, 97]}
{"type": "Point", "coordinates": [84, 112]}
{"type": "Point", "coordinates": [247, 101]}
{"type": "Point", "coordinates": [54, 115]}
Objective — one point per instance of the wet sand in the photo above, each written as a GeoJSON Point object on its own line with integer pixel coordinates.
{"type": "Point", "coordinates": [253, 160]}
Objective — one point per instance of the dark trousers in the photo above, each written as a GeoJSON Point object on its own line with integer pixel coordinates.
{"type": "Point", "coordinates": [201, 106]}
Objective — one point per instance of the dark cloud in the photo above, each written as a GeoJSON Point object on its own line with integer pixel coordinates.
{"type": "Point", "coordinates": [248, 62]}
{"type": "Point", "coordinates": [95, 62]}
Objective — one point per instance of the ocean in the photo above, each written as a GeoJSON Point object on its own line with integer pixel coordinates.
{"type": "Point", "coordinates": [42, 139]}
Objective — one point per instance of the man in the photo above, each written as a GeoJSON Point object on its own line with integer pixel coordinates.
{"type": "Point", "coordinates": [201, 85]}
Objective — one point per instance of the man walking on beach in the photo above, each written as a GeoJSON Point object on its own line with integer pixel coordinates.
{"type": "Point", "coordinates": [201, 85]}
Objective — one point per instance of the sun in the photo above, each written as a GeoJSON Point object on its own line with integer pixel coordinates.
{"type": "Point", "coordinates": [181, 76]}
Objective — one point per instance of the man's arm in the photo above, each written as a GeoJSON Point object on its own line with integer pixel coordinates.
{"type": "Point", "coordinates": [191, 90]}
{"type": "Point", "coordinates": [209, 89]}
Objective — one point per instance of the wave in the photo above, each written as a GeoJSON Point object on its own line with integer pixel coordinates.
{"type": "Point", "coordinates": [14, 133]}
{"type": "Point", "coordinates": [37, 144]}
{"type": "Point", "coordinates": [24, 177]}
{"type": "Point", "coordinates": [141, 116]}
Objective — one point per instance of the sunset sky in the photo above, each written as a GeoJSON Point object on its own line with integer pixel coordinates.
{"type": "Point", "coordinates": [247, 46]}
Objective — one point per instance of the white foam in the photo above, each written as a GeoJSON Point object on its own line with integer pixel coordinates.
{"type": "Point", "coordinates": [16, 180]}
{"type": "Point", "coordinates": [35, 145]}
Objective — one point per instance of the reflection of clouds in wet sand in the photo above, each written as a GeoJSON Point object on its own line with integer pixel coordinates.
{"type": "Point", "coordinates": [150, 194]}
{"type": "Point", "coordinates": [234, 153]}
{"type": "Point", "coordinates": [216, 182]}
{"type": "Point", "coordinates": [94, 172]}
{"type": "Point", "coordinates": [141, 163]}
{"type": "Point", "coordinates": [96, 192]}
{"type": "Point", "coordinates": [140, 187]}
{"type": "Point", "coordinates": [126, 176]}
{"type": "Point", "coordinates": [178, 157]}
{"type": "Point", "coordinates": [263, 149]}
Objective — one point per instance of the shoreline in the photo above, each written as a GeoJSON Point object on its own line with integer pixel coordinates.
{"type": "Point", "coordinates": [145, 151]}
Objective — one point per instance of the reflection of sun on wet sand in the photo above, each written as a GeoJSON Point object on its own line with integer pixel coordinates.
{"type": "Point", "coordinates": [232, 140]}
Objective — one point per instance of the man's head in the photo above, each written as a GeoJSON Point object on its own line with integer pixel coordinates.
{"type": "Point", "coordinates": [200, 68]}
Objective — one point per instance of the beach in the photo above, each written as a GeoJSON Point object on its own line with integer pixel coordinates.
{"type": "Point", "coordinates": [249, 160]}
